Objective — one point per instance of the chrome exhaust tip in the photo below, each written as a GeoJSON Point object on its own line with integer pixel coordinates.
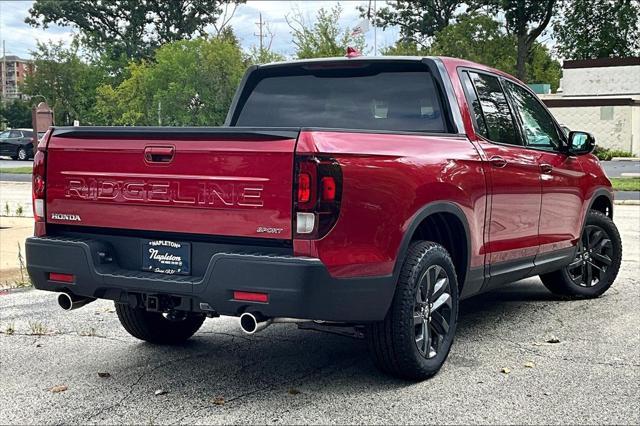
{"type": "Point", "coordinates": [69, 302]}
{"type": "Point", "coordinates": [251, 324]}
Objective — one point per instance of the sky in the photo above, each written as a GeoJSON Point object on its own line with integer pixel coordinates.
{"type": "Point", "coordinates": [21, 38]}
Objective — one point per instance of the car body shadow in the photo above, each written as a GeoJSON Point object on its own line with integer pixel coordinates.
{"type": "Point", "coordinates": [221, 360]}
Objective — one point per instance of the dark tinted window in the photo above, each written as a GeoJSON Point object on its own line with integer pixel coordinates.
{"type": "Point", "coordinates": [15, 134]}
{"type": "Point", "coordinates": [538, 126]}
{"type": "Point", "coordinates": [371, 97]}
{"type": "Point", "coordinates": [476, 110]}
{"type": "Point", "coordinates": [495, 109]}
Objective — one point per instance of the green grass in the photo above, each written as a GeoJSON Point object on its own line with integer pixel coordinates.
{"type": "Point", "coordinates": [17, 170]}
{"type": "Point", "coordinates": [626, 184]}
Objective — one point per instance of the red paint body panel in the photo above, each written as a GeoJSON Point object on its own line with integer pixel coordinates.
{"type": "Point", "coordinates": [215, 187]}
{"type": "Point", "coordinates": [387, 179]}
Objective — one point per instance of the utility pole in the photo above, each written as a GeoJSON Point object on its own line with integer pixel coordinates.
{"type": "Point", "coordinates": [260, 34]}
{"type": "Point", "coordinates": [375, 31]}
{"type": "Point", "coordinates": [4, 69]}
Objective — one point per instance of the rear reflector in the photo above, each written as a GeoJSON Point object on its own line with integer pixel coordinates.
{"type": "Point", "coordinates": [65, 278]}
{"type": "Point", "coordinates": [247, 296]}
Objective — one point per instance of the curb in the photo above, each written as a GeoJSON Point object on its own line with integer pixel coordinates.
{"type": "Point", "coordinates": [625, 159]}
{"type": "Point", "coordinates": [627, 202]}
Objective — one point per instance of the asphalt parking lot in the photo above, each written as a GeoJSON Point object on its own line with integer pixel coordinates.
{"type": "Point", "coordinates": [285, 375]}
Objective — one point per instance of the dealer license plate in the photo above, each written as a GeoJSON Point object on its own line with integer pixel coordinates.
{"type": "Point", "coordinates": [166, 257]}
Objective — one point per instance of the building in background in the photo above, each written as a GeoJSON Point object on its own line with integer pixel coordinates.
{"type": "Point", "coordinates": [601, 96]}
{"type": "Point", "coordinates": [13, 70]}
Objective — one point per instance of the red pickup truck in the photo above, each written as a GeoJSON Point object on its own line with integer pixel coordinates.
{"type": "Point", "coordinates": [363, 192]}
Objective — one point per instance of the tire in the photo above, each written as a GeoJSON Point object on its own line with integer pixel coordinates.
{"type": "Point", "coordinates": [396, 343]}
{"type": "Point", "coordinates": [22, 154]}
{"type": "Point", "coordinates": [594, 269]}
{"type": "Point", "coordinates": [154, 327]}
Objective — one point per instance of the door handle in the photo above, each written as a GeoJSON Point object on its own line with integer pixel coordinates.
{"type": "Point", "coordinates": [546, 168]}
{"type": "Point", "coordinates": [159, 154]}
{"type": "Point", "coordinates": [498, 161]}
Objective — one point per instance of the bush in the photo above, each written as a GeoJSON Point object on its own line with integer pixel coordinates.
{"type": "Point", "coordinates": [605, 154]}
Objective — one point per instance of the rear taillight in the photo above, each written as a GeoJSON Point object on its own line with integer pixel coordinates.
{"type": "Point", "coordinates": [319, 191]}
{"type": "Point", "coordinates": [38, 188]}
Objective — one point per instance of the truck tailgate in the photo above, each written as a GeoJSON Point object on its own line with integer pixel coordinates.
{"type": "Point", "coordinates": [217, 181]}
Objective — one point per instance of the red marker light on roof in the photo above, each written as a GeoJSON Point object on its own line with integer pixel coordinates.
{"type": "Point", "coordinates": [352, 52]}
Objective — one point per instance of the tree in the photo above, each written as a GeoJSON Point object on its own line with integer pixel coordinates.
{"type": "Point", "coordinates": [421, 20]}
{"type": "Point", "coordinates": [526, 20]}
{"type": "Point", "coordinates": [67, 82]}
{"type": "Point", "coordinates": [418, 20]}
{"type": "Point", "coordinates": [188, 83]}
{"type": "Point", "coordinates": [479, 38]}
{"type": "Point", "coordinates": [129, 29]}
{"type": "Point", "coordinates": [542, 68]}
{"type": "Point", "coordinates": [324, 37]}
{"type": "Point", "coordinates": [599, 29]}
{"type": "Point", "coordinates": [16, 114]}
{"type": "Point", "coordinates": [263, 54]}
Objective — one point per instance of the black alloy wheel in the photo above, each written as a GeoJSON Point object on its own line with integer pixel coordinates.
{"type": "Point", "coordinates": [432, 311]}
{"type": "Point", "coordinates": [594, 256]}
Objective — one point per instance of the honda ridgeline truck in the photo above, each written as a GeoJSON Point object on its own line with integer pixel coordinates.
{"type": "Point", "coordinates": [373, 193]}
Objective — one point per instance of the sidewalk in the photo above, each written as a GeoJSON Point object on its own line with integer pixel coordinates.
{"type": "Point", "coordinates": [13, 232]}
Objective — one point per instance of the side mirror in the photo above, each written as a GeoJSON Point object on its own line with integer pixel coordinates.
{"type": "Point", "coordinates": [581, 143]}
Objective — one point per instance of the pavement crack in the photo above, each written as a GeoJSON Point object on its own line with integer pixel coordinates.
{"type": "Point", "coordinates": [135, 383]}
{"type": "Point", "coordinates": [65, 333]}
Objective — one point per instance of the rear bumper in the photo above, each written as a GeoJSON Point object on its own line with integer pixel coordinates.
{"type": "Point", "coordinates": [297, 287]}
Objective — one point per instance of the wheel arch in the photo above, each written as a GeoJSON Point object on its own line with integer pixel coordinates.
{"type": "Point", "coordinates": [444, 223]}
{"type": "Point", "coordinates": [602, 201]}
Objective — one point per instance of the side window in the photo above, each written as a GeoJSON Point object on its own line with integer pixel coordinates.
{"type": "Point", "coordinates": [495, 109]}
{"type": "Point", "coordinates": [472, 100]}
{"type": "Point", "coordinates": [15, 134]}
{"type": "Point", "coordinates": [538, 126]}
{"type": "Point", "coordinates": [4, 135]}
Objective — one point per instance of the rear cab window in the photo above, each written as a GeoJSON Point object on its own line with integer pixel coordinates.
{"type": "Point", "coordinates": [392, 96]}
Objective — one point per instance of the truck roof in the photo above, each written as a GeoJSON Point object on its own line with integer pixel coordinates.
{"type": "Point", "coordinates": [449, 62]}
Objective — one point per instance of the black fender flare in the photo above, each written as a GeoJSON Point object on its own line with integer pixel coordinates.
{"type": "Point", "coordinates": [596, 194]}
{"type": "Point", "coordinates": [416, 220]}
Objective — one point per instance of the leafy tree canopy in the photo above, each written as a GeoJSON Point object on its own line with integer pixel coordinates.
{"type": "Point", "coordinates": [189, 83]}
{"type": "Point", "coordinates": [480, 38]}
{"type": "Point", "coordinates": [324, 37]}
{"type": "Point", "coordinates": [527, 20]}
{"type": "Point", "coordinates": [590, 29]}
{"type": "Point", "coordinates": [418, 20]}
{"type": "Point", "coordinates": [421, 21]}
{"type": "Point", "coordinates": [66, 82]}
{"type": "Point", "coordinates": [15, 114]}
{"type": "Point", "coordinates": [129, 29]}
